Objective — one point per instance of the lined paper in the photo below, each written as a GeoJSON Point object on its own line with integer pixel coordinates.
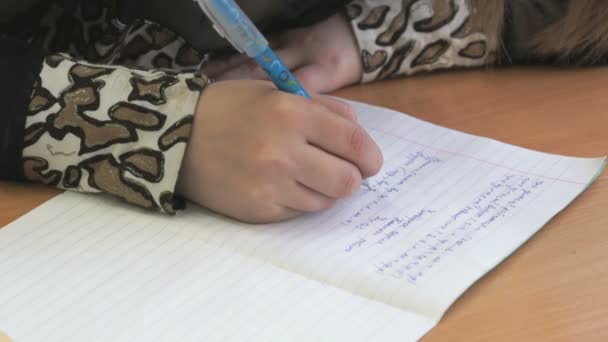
{"type": "Point", "coordinates": [148, 278]}
{"type": "Point", "coordinates": [385, 265]}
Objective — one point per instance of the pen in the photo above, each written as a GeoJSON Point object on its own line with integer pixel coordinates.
{"type": "Point", "coordinates": [234, 25]}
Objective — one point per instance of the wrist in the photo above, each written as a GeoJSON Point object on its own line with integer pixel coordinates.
{"type": "Point", "coordinates": [353, 57]}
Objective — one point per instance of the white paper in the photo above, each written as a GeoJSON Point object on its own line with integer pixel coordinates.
{"type": "Point", "coordinates": [446, 208]}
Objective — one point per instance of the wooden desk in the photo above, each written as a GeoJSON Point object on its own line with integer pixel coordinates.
{"type": "Point", "coordinates": [555, 288]}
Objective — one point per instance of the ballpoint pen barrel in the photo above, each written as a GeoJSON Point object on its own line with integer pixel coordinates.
{"type": "Point", "coordinates": [278, 72]}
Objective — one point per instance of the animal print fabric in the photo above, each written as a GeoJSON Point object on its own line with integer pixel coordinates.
{"type": "Point", "coordinates": [90, 30]}
{"type": "Point", "coordinates": [404, 37]}
{"type": "Point", "coordinates": [94, 128]}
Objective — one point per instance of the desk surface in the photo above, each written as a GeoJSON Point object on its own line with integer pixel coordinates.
{"type": "Point", "coordinates": [555, 287]}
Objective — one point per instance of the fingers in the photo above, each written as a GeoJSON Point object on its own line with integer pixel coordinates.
{"type": "Point", "coordinates": [326, 174]}
{"type": "Point", "coordinates": [277, 214]}
{"type": "Point", "coordinates": [339, 107]}
{"type": "Point", "coordinates": [344, 139]}
{"type": "Point", "coordinates": [287, 214]}
{"type": "Point", "coordinates": [302, 199]}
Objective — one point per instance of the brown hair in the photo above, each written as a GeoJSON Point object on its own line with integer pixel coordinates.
{"type": "Point", "coordinates": [489, 17]}
{"type": "Point", "coordinates": [580, 37]}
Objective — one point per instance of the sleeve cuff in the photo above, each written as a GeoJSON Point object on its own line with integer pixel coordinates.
{"type": "Point", "coordinates": [405, 38]}
{"type": "Point", "coordinates": [95, 128]}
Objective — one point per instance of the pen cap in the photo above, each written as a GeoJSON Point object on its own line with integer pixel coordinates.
{"type": "Point", "coordinates": [233, 24]}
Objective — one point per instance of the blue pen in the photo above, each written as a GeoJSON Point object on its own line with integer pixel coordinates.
{"type": "Point", "coordinates": [233, 24]}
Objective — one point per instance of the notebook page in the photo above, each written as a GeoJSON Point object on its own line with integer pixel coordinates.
{"type": "Point", "coordinates": [446, 208]}
{"type": "Point", "coordinates": [83, 268]}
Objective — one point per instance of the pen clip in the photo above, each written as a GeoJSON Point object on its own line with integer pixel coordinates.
{"type": "Point", "coordinates": [232, 24]}
{"type": "Point", "coordinates": [215, 22]}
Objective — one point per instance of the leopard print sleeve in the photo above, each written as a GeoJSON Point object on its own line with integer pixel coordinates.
{"type": "Point", "coordinates": [94, 128]}
{"type": "Point", "coordinates": [406, 37]}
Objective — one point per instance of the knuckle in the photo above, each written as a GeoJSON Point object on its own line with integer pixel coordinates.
{"type": "Point", "coordinates": [259, 194]}
{"type": "Point", "coordinates": [278, 167]}
{"type": "Point", "coordinates": [271, 162]}
{"type": "Point", "coordinates": [284, 112]}
{"type": "Point", "coordinates": [348, 110]}
{"type": "Point", "coordinates": [321, 204]}
{"type": "Point", "coordinates": [340, 107]}
{"type": "Point", "coordinates": [350, 115]}
{"type": "Point", "coordinates": [357, 141]}
{"type": "Point", "coordinates": [264, 150]}
{"type": "Point", "coordinates": [263, 208]}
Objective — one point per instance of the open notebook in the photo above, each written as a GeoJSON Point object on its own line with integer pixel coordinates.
{"type": "Point", "coordinates": [385, 266]}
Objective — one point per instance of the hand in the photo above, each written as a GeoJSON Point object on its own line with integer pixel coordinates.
{"type": "Point", "coordinates": [324, 57]}
{"type": "Point", "coordinates": [260, 155]}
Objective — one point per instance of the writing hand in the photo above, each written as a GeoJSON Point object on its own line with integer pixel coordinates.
{"type": "Point", "coordinates": [261, 155]}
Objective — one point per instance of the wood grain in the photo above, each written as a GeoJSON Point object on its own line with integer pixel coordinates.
{"type": "Point", "coordinates": [555, 288]}
{"type": "Point", "coordinates": [17, 200]}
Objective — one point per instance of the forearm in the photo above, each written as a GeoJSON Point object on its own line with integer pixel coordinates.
{"type": "Point", "coordinates": [94, 128]}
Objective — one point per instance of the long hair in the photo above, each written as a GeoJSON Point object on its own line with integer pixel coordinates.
{"type": "Point", "coordinates": [580, 37]}
{"type": "Point", "coordinates": [489, 17]}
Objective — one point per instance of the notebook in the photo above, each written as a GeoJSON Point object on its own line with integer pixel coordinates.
{"type": "Point", "coordinates": [446, 208]}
